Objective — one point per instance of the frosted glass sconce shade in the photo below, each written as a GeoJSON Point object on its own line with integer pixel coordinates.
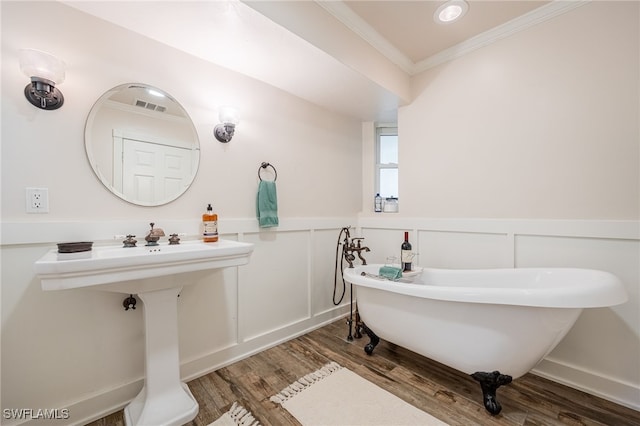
{"type": "Point", "coordinates": [45, 71]}
{"type": "Point", "coordinates": [228, 117]}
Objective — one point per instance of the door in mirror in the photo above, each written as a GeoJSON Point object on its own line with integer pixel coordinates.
{"type": "Point", "coordinates": [142, 144]}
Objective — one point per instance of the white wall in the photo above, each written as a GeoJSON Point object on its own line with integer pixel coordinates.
{"type": "Point", "coordinates": [543, 124]}
{"type": "Point", "coordinates": [299, 138]}
{"type": "Point", "coordinates": [80, 349]}
{"type": "Point", "coordinates": [526, 152]}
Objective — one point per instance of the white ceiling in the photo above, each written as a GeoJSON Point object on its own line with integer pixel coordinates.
{"type": "Point", "coordinates": [408, 27]}
{"type": "Point", "coordinates": [299, 46]}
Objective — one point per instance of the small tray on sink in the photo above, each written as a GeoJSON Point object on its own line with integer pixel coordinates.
{"type": "Point", "coordinates": [75, 247]}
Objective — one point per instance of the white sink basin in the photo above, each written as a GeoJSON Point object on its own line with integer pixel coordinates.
{"type": "Point", "coordinates": [153, 274]}
{"type": "Point", "coordinates": [108, 268]}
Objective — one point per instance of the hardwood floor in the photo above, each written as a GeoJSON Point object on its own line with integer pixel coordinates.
{"type": "Point", "coordinates": [450, 395]}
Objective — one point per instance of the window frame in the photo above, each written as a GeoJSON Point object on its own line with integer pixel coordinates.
{"type": "Point", "coordinates": [384, 130]}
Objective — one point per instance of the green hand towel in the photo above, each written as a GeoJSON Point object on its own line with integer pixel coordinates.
{"type": "Point", "coordinates": [390, 272]}
{"type": "Point", "coordinates": [267, 204]}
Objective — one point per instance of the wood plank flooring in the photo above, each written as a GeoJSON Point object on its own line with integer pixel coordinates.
{"type": "Point", "coordinates": [450, 395]}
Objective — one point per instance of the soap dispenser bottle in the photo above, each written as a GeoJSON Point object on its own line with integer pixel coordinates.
{"type": "Point", "coordinates": [209, 226]}
{"type": "Point", "coordinates": [377, 203]}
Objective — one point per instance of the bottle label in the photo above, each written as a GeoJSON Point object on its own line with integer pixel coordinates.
{"type": "Point", "coordinates": [406, 256]}
{"type": "Point", "coordinates": [211, 228]}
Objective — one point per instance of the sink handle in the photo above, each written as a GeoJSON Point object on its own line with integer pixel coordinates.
{"type": "Point", "coordinates": [130, 241]}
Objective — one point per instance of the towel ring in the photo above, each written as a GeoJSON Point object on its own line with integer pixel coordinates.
{"type": "Point", "coordinates": [264, 165]}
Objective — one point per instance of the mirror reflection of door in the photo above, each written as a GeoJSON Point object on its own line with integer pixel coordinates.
{"type": "Point", "coordinates": [160, 157]}
{"type": "Point", "coordinates": [149, 170]}
{"type": "Point", "coordinates": [152, 172]}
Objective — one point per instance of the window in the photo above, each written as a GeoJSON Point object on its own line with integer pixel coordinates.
{"type": "Point", "coordinates": [387, 161]}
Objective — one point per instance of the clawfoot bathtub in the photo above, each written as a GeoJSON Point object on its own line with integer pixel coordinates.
{"type": "Point", "coordinates": [481, 322]}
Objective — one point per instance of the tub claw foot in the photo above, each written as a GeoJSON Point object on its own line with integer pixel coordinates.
{"type": "Point", "coordinates": [373, 339]}
{"type": "Point", "coordinates": [490, 382]}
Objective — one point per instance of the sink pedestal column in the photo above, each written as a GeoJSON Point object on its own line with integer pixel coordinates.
{"type": "Point", "coordinates": [164, 399]}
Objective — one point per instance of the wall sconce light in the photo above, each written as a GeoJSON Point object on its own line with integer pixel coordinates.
{"type": "Point", "coordinates": [45, 71]}
{"type": "Point", "coordinates": [228, 120]}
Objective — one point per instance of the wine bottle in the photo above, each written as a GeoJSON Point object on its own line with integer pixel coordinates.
{"type": "Point", "coordinates": [405, 254]}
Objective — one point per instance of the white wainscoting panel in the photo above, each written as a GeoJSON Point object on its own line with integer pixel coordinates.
{"type": "Point", "coordinates": [274, 288]}
{"type": "Point", "coordinates": [604, 341]}
{"type": "Point", "coordinates": [208, 309]}
{"type": "Point", "coordinates": [383, 243]}
{"type": "Point", "coordinates": [464, 250]}
{"type": "Point", "coordinates": [285, 291]}
{"type": "Point", "coordinates": [324, 272]}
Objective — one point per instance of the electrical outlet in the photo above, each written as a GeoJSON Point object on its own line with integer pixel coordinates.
{"type": "Point", "coordinates": [37, 200]}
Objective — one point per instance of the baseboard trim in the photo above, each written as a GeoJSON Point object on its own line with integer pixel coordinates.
{"type": "Point", "coordinates": [622, 393]}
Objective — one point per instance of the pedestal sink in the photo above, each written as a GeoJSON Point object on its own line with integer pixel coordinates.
{"type": "Point", "coordinates": [153, 274]}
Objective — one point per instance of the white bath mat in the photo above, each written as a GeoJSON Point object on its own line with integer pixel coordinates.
{"type": "Point", "coordinates": [336, 396]}
{"type": "Point", "coordinates": [236, 416]}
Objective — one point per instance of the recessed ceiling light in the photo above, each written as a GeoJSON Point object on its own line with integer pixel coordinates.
{"type": "Point", "coordinates": [450, 11]}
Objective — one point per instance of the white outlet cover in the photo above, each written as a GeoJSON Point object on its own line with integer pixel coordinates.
{"type": "Point", "coordinates": [37, 200]}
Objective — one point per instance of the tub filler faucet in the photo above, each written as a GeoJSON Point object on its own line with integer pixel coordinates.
{"type": "Point", "coordinates": [353, 245]}
{"type": "Point", "coordinates": [349, 247]}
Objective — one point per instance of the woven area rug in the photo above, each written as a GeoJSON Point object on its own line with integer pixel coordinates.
{"type": "Point", "coordinates": [236, 416]}
{"type": "Point", "coordinates": [336, 396]}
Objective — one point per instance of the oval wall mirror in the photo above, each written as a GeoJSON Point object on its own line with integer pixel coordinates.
{"type": "Point", "coordinates": [142, 144]}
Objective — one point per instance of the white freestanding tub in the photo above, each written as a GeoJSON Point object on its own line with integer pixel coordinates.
{"type": "Point", "coordinates": [495, 324]}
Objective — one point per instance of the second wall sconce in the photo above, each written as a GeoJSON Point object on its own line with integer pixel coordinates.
{"type": "Point", "coordinates": [228, 120]}
{"type": "Point", "coordinates": [45, 71]}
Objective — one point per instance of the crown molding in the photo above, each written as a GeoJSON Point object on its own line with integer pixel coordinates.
{"type": "Point", "coordinates": [356, 24]}
{"type": "Point", "coordinates": [521, 23]}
